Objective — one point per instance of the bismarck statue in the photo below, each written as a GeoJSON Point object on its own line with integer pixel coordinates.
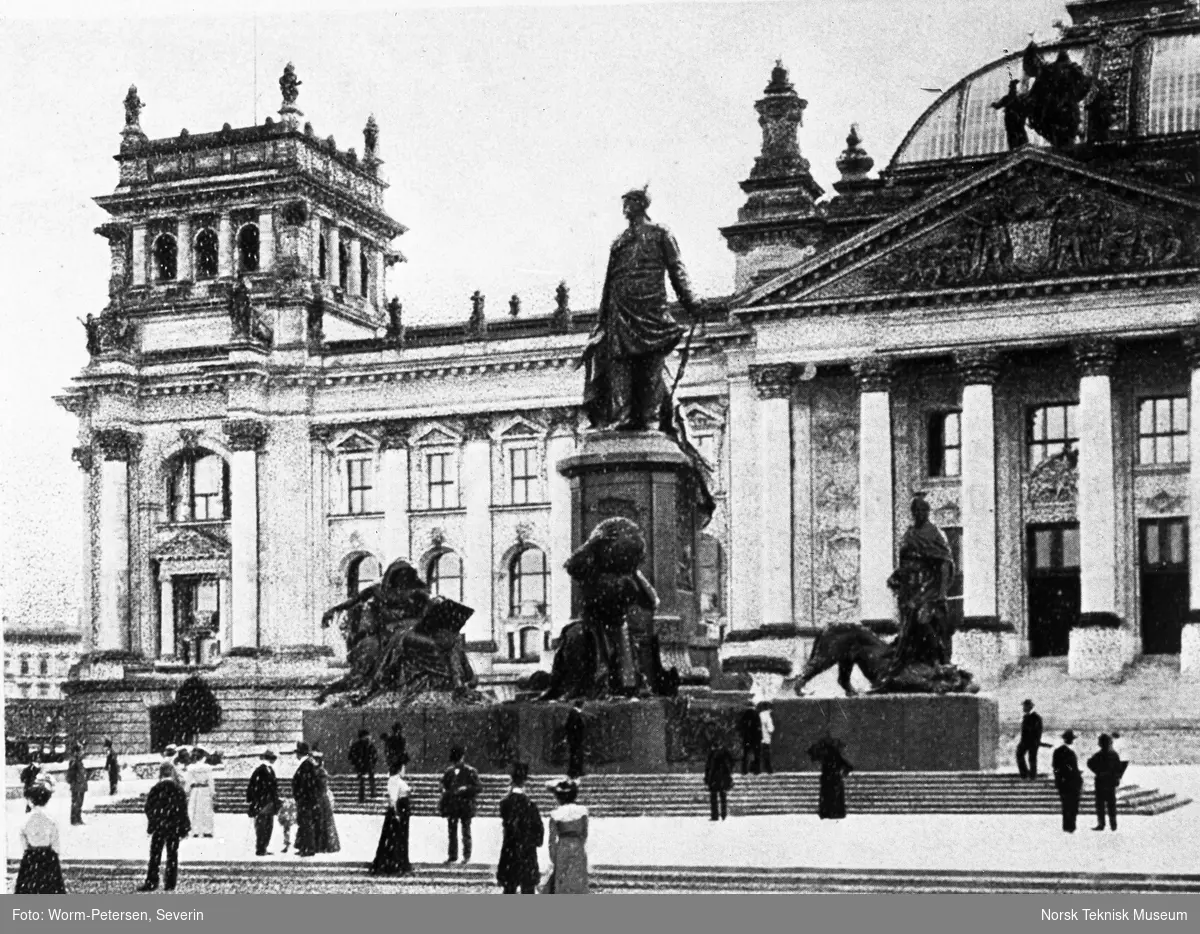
{"type": "Point", "coordinates": [918, 660]}
{"type": "Point", "coordinates": [625, 357]}
{"type": "Point", "coordinates": [402, 641]}
{"type": "Point", "coordinates": [612, 650]}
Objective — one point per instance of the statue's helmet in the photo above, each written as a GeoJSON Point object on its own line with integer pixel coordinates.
{"type": "Point", "coordinates": [640, 196]}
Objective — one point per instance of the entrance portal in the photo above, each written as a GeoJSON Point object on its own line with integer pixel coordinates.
{"type": "Point", "coordinates": [1164, 584]}
{"type": "Point", "coordinates": [1053, 587]}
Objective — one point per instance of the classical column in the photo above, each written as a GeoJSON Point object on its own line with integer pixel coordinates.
{"type": "Point", "coordinates": [1189, 652]}
{"type": "Point", "coordinates": [378, 299]}
{"type": "Point", "coordinates": [744, 506]}
{"type": "Point", "coordinates": [224, 246]}
{"type": "Point", "coordinates": [476, 486]}
{"type": "Point", "coordinates": [561, 445]}
{"type": "Point", "coordinates": [774, 387]}
{"type": "Point", "coordinates": [118, 448]}
{"type": "Point", "coordinates": [353, 277]}
{"type": "Point", "coordinates": [875, 528]}
{"type": "Point", "coordinates": [979, 370]}
{"type": "Point", "coordinates": [183, 255]}
{"type": "Point", "coordinates": [393, 482]}
{"type": "Point", "coordinates": [138, 257]}
{"type": "Point", "coordinates": [166, 617]}
{"type": "Point", "coordinates": [245, 436]}
{"type": "Point", "coordinates": [1096, 503]}
{"type": "Point", "coordinates": [332, 264]}
{"type": "Point", "coordinates": [266, 239]}
{"type": "Point", "coordinates": [85, 458]}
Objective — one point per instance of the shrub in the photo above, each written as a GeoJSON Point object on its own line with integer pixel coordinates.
{"type": "Point", "coordinates": [196, 709]}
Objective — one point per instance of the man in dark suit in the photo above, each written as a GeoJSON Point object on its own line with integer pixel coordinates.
{"type": "Point", "coordinates": [1031, 741]}
{"type": "Point", "coordinates": [718, 776]}
{"type": "Point", "coordinates": [1108, 769]}
{"type": "Point", "coordinates": [262, 801]}
{"type": "Point", "coordinates": [1067, 779]}
{"type": "Point", "coordinates": [166, 821]}
{"type": "Point", "coordinates": [395, 749]}
{"type": "Point", "coordinates": [112, 766]}
{"type": "Point", "coordinates": [750, 727]}
{"type": "Point", "coordinates": [523, 834]}
{"type": "Point", "coordinates": [363, 757]}
{"type": "Point", "coordinates": [78, 780]}
{"type": "Point", "coordinates": [460, 786]}
{"type": "Point", "coordinates": [30, 775]}
{"type": "Point", "coordinates": [576, 731]}
{"type": "Point", "coordinates": [306, 790]}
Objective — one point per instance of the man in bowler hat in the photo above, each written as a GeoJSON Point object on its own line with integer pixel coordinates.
{"type": "Point", "coordinates": [1108, 768]}
{"type": "Point", "coordinates": [363, 757]}
{"type": "Point", "coordinates": [1067, 779]}
{"type": "Point", "coordinates": [306, 789]}
{"type": "Point", "coordinates": [460, 786]}
{"type": "Point", "coordinates": [1031, 741]}
{"type": "Point", "coordinates": [262, 801]}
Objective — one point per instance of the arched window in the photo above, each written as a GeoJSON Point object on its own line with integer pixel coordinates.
{"type": "Point", "coordinates": [528, 580]}
{"type": "Point", "coordinates": [198, 489]}
{"type": "Point", "coordinates": [343, 264]}
{"type": "Point", "coordinates": [207, 254]}
{"type": "Point", "coordinates": [364, 571]}
{"type": "Point", "coordinates": [322, 257]}
{"type": "Point", "coordinates": [248, 248]}
{"type": "Point", "coordinates": [166, 256]}
{"type": "Point", "coordinates": [712, 576]}
{"type": "Point", "coordinates": [364, 277]}
{"type": "Point", "coordinates": [446, 576]}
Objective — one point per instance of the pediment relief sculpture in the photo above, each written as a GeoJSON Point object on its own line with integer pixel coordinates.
{"type": "Point", "coordinates": [1055, 480]}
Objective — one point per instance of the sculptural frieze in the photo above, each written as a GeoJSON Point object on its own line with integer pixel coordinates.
{"type": "Point", "coordinates": [1034, 229]}
{"type": "Point", "coordinates": [1054, 481]}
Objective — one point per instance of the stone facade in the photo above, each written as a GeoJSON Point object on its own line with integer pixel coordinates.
{"type": "Point", "coordinates": [1010, 334]}
{"type": "Point", "coordinates": [38, 660]}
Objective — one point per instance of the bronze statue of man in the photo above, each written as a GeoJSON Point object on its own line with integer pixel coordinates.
{"type": "Point", "coordinates": [625, 386]}
{"type": "Point", "coordinates": [922, 584]}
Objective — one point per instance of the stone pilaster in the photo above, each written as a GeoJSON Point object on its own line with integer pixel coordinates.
{"type": "Point", "coordinates": [266, 239]}
{"type": "Point", "coordinates": [333, 263]}
{"type": "Point", "coordinates": [166, 617]}
{"type": "Point", "coordinates": [246, 437]}
{"type": "Point", "coordinates": [354, 278]}
{"type": "Point", "coordinates": [118, 448]}
{"type": "Point", "coordinates": [476, 486]}
{"type": "Point", "coordinates": [1096, 644]}
{"type": "Point", "coordinates": [875, 528]}
{"type": "Point", "coordinates": [183, 243]}
{"type": "Point", "coordinates": [224, 246]}
{"type": "Point", "coordinates": [773, 385]}
{"type": "Point", "coordinates": [393, 481]}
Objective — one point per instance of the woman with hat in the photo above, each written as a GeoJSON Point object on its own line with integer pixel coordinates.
{"type": "Point", "coordinates": [327, 835]}
{"type": "Point", "coordinates": [391, 855]}
{"type": "Point", "coordinates": [200, 793]}
{"type": "Point", "coordinates": [40, 872]}
{"type": "Point", "coordinates": [568, 841]}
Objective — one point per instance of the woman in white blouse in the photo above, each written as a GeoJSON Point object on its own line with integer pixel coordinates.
{"type": "Point", "coordinates": [40, 872]}
{"type": "Point", "coordinates": [200, 794]}
{"type": "Point", "coordinates": [391, 856]}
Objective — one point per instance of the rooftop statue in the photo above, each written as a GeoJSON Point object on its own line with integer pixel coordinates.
{"type": "Point", "coordinates": [625, 386]}
{"type": "Point", "coordinates": [401, 639]}
{"type": "Point", "coordinates": [133, 107]}
{"type": "Point", "coordinates": [1052, 104]}
{"type": "Point", "coordinates": [289, 85]}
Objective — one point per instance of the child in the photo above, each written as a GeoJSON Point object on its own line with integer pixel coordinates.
{"type": "Point", "coordinates": [286, 818]}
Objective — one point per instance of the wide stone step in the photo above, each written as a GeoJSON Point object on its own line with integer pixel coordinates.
{"type": "Point", "coordinates": [316, 876]}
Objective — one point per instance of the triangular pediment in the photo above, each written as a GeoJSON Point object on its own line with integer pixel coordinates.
{"type": "Point", "coordinates": [1030, 220]}
{"type": "Point", "coordinates": [435, 435]}
{"type": "Point", "coordinates": [191, 542]}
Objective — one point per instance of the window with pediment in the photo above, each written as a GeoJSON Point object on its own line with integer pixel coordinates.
{"type": "Point", "coordinates": [198, 487]}
{"type": "Point", "coordinates": [520, 463]}
{"type": "Point", "coordinates": [355, 460]}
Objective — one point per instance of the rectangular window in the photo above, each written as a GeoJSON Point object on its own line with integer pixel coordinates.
{"type": "Point", "coordinates": [1163, 431]}
{"type": "Point", "coordinates": [360, 480]}
{"type": "Point", "coordinates": [523, 462]}
{"type": "Point", "coordinates": [945, 444]}
{"type": "Point", "coordinates": [441, 481]}
{"type": "Point", "coordinates": [1052, 430]}
{"type": "Point", "coordinates": [1164, 544]}
{"type": "Point", "coordinates": [1055, 548]}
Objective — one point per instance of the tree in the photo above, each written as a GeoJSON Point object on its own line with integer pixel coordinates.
{"type": "Point", "coordinates": [196, 709]}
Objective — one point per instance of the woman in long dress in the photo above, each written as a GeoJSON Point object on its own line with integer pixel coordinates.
{"type": "Point", "coordinates": [40, 872]}
{"type": "Point", "coordinates": [327, 835]}
{"type": "Point", "coordinates": [391, 856]}
{"type": "Point", "coordinates": [568, 841]}
{"type": "Point", "coordinates": [200, 794]}
{"type": "Point", "coordinates": [831, 804]}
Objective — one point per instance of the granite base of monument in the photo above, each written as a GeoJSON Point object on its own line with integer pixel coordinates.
{"type": "Point", "coordinates": [882, 733]}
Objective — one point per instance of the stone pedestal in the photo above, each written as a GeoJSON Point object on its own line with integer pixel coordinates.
{"type": "Point", "coordinates": [1097, 651]}
{"type": "Point", "coordinates": [644, 477]}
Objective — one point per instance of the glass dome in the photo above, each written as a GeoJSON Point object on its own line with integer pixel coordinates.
{"type": "Point", "coordinates": [1174, 92]}
{"type": "Point", "coordinates": [962, 122]}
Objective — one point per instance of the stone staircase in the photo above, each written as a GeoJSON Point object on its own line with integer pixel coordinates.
{"type": "Point", "coordinates": [684, 795]}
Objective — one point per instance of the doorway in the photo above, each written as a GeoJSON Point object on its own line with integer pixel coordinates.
{"type": "Point", "coordinates": [1164, 584]}
{"type": "Point", "coordinates": [1053, 559]}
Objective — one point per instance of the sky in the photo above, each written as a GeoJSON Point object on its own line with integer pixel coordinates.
{"type": "Point", "coordinates": [508, 135]}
